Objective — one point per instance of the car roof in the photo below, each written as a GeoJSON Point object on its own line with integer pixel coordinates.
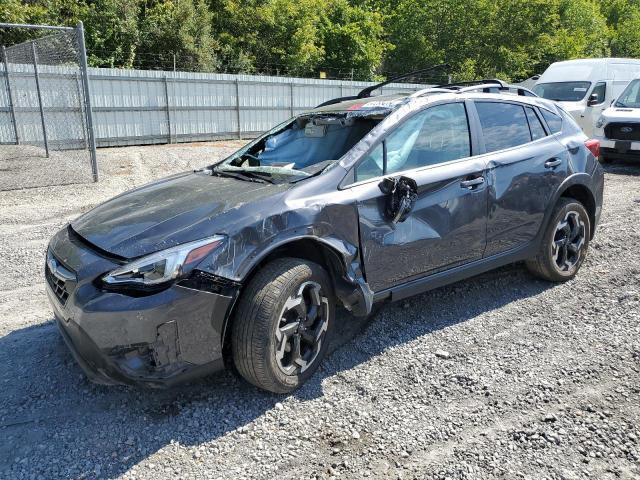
{"type": "Point", "coordinates": [385, 104]}
{"type": "Point", "coordinates": [390, 101]}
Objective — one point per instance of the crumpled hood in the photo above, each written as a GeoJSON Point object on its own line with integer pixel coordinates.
{"type": "Point", "coordinates": [166, 213]}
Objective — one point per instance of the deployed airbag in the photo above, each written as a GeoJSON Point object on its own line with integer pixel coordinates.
{"type": "Point", "coordinates": [313, 143]}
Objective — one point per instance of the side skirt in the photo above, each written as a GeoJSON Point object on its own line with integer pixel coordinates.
{"type": "Point", "coordinates": [456, 274]}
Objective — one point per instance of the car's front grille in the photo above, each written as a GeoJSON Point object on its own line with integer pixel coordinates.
{"type": "Point", "coordinates": [62, 280]}
{"type": "Point", "coordinates": [623, 131]}
{"type": "Point", "coordinates": [58, 286]}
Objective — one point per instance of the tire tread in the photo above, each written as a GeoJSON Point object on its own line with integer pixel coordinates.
{"type": "Point", "coordinates": [252, 321]}
{"type": "Point", "coordinates": [539, 265]}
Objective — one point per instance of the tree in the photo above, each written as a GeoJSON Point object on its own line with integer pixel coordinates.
{"type": "Point", "coordinates": [626, 42]}
{"type": "Point", "coordinates": [177, 27]}
{"type": "Point", "coordinates": [511, 39]}
{"type": "Point", "coordinates": [353, 40]}
{"type": "Point", "coordinates": [112, 32]}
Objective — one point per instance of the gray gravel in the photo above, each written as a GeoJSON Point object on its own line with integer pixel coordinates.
{"type": "Point", "coordinates": [500, 376]}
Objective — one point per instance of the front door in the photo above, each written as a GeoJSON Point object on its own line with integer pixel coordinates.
{"type": "Point", "coordinates": [442, 188]}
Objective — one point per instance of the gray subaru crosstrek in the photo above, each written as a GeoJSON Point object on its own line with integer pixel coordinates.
{"type": "Point", "coordinates": [360, 201]}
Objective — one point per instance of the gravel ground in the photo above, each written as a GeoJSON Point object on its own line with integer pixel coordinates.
{"type": "Point", "coordinates": [500, 376]}
{"type": "Point", "coordinates": [28, 166]}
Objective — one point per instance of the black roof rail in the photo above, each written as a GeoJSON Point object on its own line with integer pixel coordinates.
{"type": "Point", "coordinates": [366, 92]}
{"type": "Point", "coordinates": [486, 81]}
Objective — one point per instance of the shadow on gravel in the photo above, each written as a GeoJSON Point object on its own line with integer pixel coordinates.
{"type": "Point", "coordinates": [53, 421]}
{"type": "Point", "coordinates": [628, 168]}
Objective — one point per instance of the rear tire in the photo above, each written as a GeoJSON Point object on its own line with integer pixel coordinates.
{"type": "Point", "coordinates": [565, 243]}
{"type": "Point", "coordinates": [283, 324]}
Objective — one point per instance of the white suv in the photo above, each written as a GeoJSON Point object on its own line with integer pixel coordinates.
{"type": "Point", "coordinates": [618, 128]}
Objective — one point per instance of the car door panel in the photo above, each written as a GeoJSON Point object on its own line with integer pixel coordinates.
{"type": "Point", "coordinates": [521, 179]}
{"type": "Point", "coordinates": [445, 228]}
{"type": "Point", "coordinates": [521, 184]}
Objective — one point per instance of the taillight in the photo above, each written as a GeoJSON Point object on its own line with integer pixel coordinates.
{"type": "Point", "coordinates": [593, 146]}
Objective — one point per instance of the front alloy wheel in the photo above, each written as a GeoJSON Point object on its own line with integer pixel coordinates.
{"type": "Point", "coordinates": [283, 324]}
{"type": "Point", "coordinates": [303, 324]}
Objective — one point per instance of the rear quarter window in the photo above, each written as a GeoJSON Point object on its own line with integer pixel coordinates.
{"type": "Point", "coordinates": [553, 121]}
{"type": "Point", "coordinates": [537, 130]}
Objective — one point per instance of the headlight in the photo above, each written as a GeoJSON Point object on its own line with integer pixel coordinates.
{"type": "Point", "coordinates": [600, 122]}
{"type": "Point", "coordinates": [162, 267]}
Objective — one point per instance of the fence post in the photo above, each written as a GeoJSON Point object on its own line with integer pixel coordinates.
{"type": "Point", "coordinates": [84, 122]}
{"type": "Point", "coordinates": [291, 98]}
{"type": "Point", "coordinates": [37, 76]}
{"type": "Point", "coordinates": [87, 95]}
{"type": "Point", "coordinates": [9, 95]}
{"type": "Point", "coordinates": [166, 100]}
{"type": "Point", "coordinates": [238, 108]}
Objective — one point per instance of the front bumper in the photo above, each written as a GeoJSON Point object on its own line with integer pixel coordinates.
{"type": "Point", "coordinates": [156, 340]}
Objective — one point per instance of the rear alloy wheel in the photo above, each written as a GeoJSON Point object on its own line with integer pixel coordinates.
{"type": "Point", "coordinates": [565, 243]}
{"type": "Point", "coordinates": [283, 324]}
{"type": "Point", "coordinates": [568, 241]}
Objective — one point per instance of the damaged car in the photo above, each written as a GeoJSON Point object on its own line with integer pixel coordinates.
{"type": "Point", "coordinates": [363, 200]}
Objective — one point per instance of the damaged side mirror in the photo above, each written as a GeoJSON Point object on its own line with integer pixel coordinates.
{"type": "Point", "coordinates": [401, 194]}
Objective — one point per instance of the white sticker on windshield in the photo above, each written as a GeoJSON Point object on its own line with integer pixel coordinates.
{"type": "Point", "coordinates": [579, 89]}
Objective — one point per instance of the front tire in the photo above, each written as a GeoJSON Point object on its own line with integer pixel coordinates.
{"type": "Point", "coordinates": [564, 244]}
{"type": "Point", "coordinates": [283, 323]}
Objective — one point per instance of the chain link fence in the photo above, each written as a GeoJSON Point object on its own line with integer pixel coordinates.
{"type": "Point", "coordinates": [46, 95]}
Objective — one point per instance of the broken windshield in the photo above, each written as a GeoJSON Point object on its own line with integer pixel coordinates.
{"type": "Point", "coordinates": [299, 148]}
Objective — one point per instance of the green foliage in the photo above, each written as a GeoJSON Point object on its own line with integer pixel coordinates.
{"type": "Point", "coordinates": [360, 39]}
{"type": "Point", "coordinates": [181, 28]}
{"type": "Point", "coordinates": [112, 32]}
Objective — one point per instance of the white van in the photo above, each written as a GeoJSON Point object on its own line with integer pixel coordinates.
{"type": "Point", "coordinates": [585, 87]}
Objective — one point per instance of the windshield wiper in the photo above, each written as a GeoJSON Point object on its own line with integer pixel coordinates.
{"type": "Point", "coordinates": [255, 175]}
{"type": "Point", "coordinates": [239, 176]}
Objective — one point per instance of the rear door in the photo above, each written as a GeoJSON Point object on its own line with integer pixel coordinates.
{"type": "Point", "coordinates": [446, 225]}
{"type": "Point", "coordinates": [526, 164]}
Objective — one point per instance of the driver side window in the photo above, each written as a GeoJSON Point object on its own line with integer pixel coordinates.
{"type": "Point", "coordinates": [437, 135]}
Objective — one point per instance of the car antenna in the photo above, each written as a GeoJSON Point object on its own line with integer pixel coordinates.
{"type": "Point", "coordinates": [366, 92]}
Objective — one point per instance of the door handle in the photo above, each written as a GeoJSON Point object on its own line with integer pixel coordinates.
{"type": "Point", "coordinates": [474, 182]}
{"type": "Point", "coordinates": [554, 162]}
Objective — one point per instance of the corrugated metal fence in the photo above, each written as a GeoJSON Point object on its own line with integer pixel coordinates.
{"type": "Point", "coordinates": [136, 107]}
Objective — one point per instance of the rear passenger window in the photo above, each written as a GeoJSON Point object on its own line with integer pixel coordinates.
{"type": "Point", "coordinates": [537, 130]}
{"type": "Point", "coordinates": [553, 120]}
{"type": "Point", "coordinates": [504, 125]}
